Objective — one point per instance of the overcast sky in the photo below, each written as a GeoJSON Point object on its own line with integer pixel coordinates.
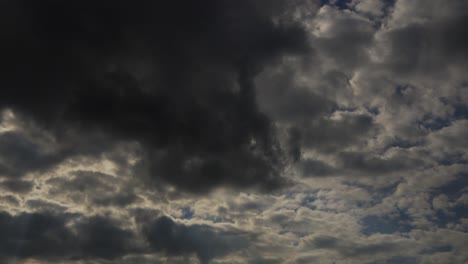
{"type": "Point", "coordinates": [246, 131]}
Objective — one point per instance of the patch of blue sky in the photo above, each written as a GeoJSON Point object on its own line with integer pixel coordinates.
{"type": "Point", "coordinates": [187, 212]}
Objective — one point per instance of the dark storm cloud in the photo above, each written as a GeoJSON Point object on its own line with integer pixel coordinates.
{"type": "Point", "coordinates": [100, 237]}
{"type": "Point", "coordinates": [20, 155]}
{"type": "Point", "coordinates": [17, 186]}
{"type": "Point", "coordinates": [46, 236]}
{"type": "Point", "coordinates": [33, 234]}
{"type": "Point", "coordinates": [175, 239]}
{"type": "Point", "coordinates": [56, 236]}
{"type": "Point", "coordinates": [176, 77]}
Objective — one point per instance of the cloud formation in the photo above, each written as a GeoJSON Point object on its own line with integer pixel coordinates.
{"type": "Point", "coordinates": [218, 132]}
{"type": "Point", "coordinates": [176, 239]}
{"type": "Point", "coordinates": [47, 236]}
{"type": "Point", "coordinates": [175, 77]}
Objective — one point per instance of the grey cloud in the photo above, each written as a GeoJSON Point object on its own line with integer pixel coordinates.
{"type": "Point", "coordinates": [310, 167]}
{"type": "Point", "coordinates": [368, 164]}
{"type": "Point", "coordinates": [178, 78]}
{"type": "Point", "coordinates": [291, 105]}
{"type": "Point", "coordinates": [344, 37]}
{"type": "Point", "coordinates": [10, 199]}
{"type": "Point", "coordinates": [121, 199]}
{"type": "Point", "coordinates": [307, 259]}
{"type": "Point", "coordinates": [98, 189]}
{"type": "Point", "coordinates": [45, 236]}
{"type": "Point", "coordinates": [19, 155]}
{"type": "Point", "coordinates": [17, 186]}
{"type": "Point", "coordinates": [265, 261]}
{"type": "Point", "coordinates": [371, 8]}
{"type": "Point", "coordinates": [405, 46]}
{"type": "Point", "coordinates": [352, 249]}
{"type": "Point", "coordinates": [40, 205]}
{"type": "Point", "coordinates": [83, 181]}
{"type": "Point", "coordinates": [286, 101]}
{"type": "Point", "coordinates": [424, 40]}
{"type": "Point", "coordinates": [451, 137]}
{"type": "Point", "coordinates": [330, 135]}
{"type": "Point", "coordinates": [27, 235]}
{"type": "Point", "coordinates": [175, 239]}
{"type": "Point", "coordinates": [99, 237]}
{"type": "Point", "coordinates": [187, 97]}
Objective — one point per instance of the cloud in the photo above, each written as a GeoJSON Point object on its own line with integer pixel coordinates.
{"type": "Point", "coordinates": [330, 135]}
{"type": "Point", "coordinates": [378, 250]}
{"type": "Point", "coordinates": [20, 155]}
{"type": "Point", "coordinates": [92, 188]}
{"type": "Point", "coordinates": [17, 186]}
{"type": "Point", "coordinates": [144, 132]}
{"type": "Point", "coordinates": [57, 236]}
{"type": "Point", "coordinates": [9, 200]}
{"type": "Point", "coordinates": [46, 236]}
{"type": "Point", "coordinates": [176, 78]}
{"type": "Point", "coordinates": [99, 237]}
{"type": "Point", "coordinates": [175, 239]}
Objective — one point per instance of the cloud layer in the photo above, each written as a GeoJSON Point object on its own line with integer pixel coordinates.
{"type": "Point", "coordinates": [234, 132]}
{"type": "Point", "coordinates": [175, 77]}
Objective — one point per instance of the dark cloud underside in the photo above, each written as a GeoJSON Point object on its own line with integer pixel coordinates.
{"type": "Point", "coordinates": [176, 77]}
{"type": "Point", "coordinates": [46, 236]}
{"type": "Point", "coordinates": [52, 237]}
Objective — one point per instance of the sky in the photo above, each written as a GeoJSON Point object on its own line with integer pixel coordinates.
{"type": "Point", "coordinates": [225, 132]}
